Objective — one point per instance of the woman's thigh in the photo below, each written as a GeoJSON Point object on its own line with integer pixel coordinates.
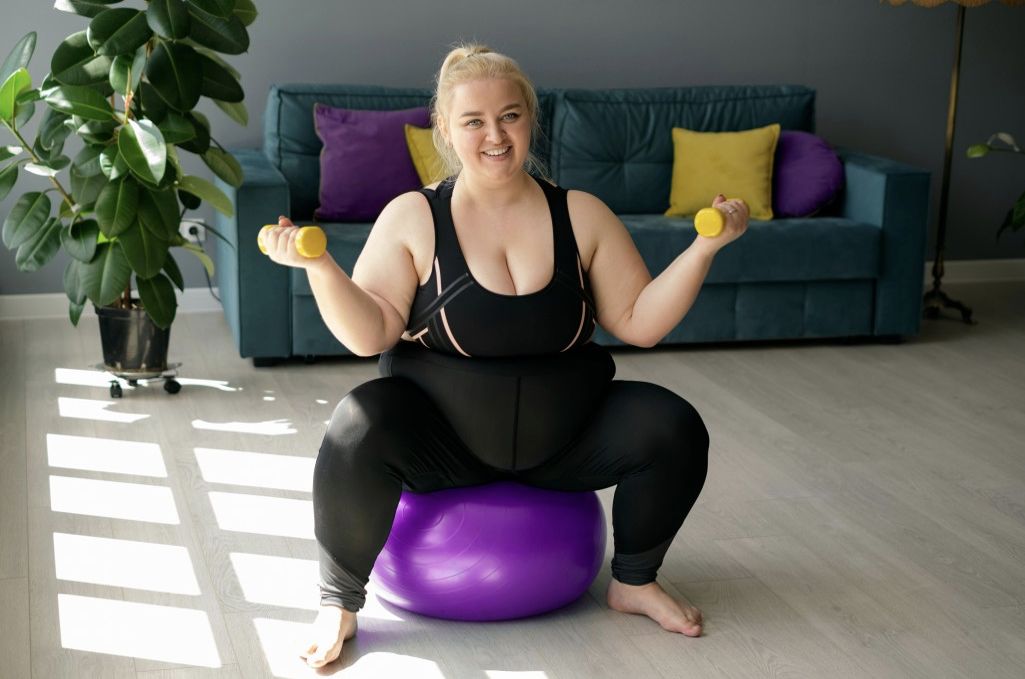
{"type": "Point", "coordinates": [636, 428]}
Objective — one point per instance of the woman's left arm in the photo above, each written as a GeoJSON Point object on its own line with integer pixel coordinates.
{"type": "Point", "coordinates": [631, 305]}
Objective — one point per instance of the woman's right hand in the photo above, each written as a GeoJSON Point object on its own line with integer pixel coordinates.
{"type": "Point", "coordinates": [279, 242]}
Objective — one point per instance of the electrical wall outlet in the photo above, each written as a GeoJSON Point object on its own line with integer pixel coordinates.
{"type": "Point", "coordinates": [193, 230]}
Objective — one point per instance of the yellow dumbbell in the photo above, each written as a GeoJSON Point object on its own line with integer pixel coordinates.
{"type": "Point", "coordinates": [310, 242]}
{"type": "Point", "coordinates": [709, 222]}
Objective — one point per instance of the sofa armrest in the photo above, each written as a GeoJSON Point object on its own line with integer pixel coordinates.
{"type": "Point", "coordinates": [255, 292]}
{"type": "Point", "coordinates": [894, 197]}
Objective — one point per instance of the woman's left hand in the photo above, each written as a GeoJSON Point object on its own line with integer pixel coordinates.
{"type": "Point", "coordinates": [736, 213]}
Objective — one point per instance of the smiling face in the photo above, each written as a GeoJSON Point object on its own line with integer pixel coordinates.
{"type": "Point", "coordinates": [488, 125]}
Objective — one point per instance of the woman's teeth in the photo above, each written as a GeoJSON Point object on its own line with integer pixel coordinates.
{"type": "Point", "coordinates": [495, 154]}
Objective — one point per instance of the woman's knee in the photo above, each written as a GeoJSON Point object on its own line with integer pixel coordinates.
{"type": "Point", "coordinates": [359, 427]}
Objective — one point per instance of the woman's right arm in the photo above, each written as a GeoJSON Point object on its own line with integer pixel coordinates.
{"type": "Point", "coordinates": [369, 311]}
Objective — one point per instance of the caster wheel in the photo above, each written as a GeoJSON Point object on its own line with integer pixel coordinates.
{"type": "Point", "coordinates": [115, 390]}
{"type": "Point", "coordinates": [172, 386]}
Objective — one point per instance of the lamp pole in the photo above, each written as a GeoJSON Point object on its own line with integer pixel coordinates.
{"type": "Point", "coordinates": [935, 300]}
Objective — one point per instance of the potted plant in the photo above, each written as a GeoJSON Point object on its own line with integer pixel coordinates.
{"type": "Point", "coordinates": [126, 87]}
{"type": "Point", "coordinates": [1015, 218]}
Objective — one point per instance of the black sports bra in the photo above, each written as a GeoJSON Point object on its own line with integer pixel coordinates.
{"type": "Point", "coordinates": [455, 314]}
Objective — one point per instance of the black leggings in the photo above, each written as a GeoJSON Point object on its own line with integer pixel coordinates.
{"type": "Point", "coordinates": [411, 430]}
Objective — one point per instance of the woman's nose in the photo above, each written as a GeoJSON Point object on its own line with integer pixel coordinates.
{"type": "Point", "coordinates": [495, 132]}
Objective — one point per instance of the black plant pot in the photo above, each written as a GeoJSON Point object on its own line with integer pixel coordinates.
{"type": "Point", "coordinates": [131, 341]}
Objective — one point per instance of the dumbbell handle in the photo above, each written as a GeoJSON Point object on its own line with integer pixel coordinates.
{"type": "Point", "coordinates": [709, 221]}
{"type": "Point", "coordinates": [310, 242]}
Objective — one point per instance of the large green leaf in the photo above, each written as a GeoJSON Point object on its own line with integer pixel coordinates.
{"type": "Point", "coordinates": [79, 239]}
{"type": "Point", "coordinates": [116, 206]}
{"type": "Point", "coordinates": [19, 56]}
{"type": "Point", "coordinates": [87, 162]}
{"type": "Point", "coordinates": [176, 73]}
{"type": "Point", "coordinates": [219, 8]}
{"type": "Point", "coordinates": [41, 248]}
{"type": "Point", "coordinates": [145, 252]}
{"type": "Point", "coordinates": [226, 35]}
{"type": "Point", "coordinates": [201, 142]}
{"type": "Point", "coordinates": [149, 104]}
{"type": "Point", "coordinates": [126, 71]}
{"type": "Point", "coordinates": [204, 258]}
{"type": "Point", "coordinates": [158, 298]}
{"type": "Point", "coordinates": [176, 128]}
{"type": "Point", "coordinates": [87, 189]}
{"type": "Point", "coordinates": [75, 63]}
{"type": "Point", "coordinates": [198, 186]}
{"type": "Point", "coordinates": [48, 168]}
{"type": "Point", "coordinates": [210, 54]}
{"type": "Point", "coordinates": [218, 83]}
{"type": "Point", "coordinates": [26, 218]}
{"type": "Point", "coordinates": [112, 163]}
{"type": "Point", "coordinates": [159, 212]}
{"type": "Point", "coordinates": [73, 285]}
{"type": "Point", "coordinates": [8, 178]}
{"type": "Point", "coordinates": [245, 10]}
{"type": "Point", "coordinates": [15, 84]}
{"type": "Point", "coordinates": [84, 102]}
{"type": "Point", "coordinates": [168, 18]}
{"type": "Point", "coordinates": [236, 111]}
{"type": "Point", "coordinates": [224, 166]}
{"type": "Point", "coordinates": [118, 31]}
{"type": "Point", "coordinates": [143, 148]}
{"type": "Point", "coordinates": [86, 8]}
{"type": "Point", "coordinates": [23, 113]}
{"type": "Point", "coordinates": [98, 132]}
{"type": "Point", "coordinates": [105, 278]}
{"type": "Point", "coordinates": [173, 272]}
{"type": "Point", "coordinates": [52, 128]}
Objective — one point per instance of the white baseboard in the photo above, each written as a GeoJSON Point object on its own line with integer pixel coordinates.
{"type": "Point", "coordinates": [55, 305]}
{"type": "Point", "coordinates": [979, 271]}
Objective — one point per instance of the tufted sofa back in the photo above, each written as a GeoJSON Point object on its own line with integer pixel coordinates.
{"type": "Point", "coordinates": [615, 143]}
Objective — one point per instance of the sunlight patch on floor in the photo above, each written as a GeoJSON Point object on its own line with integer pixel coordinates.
{"type": "Point", "coordinates": [268, 428]}
{"type": "Point", "coordinates": [263, 515]}
{"type": "Point", "coordinates": [281, 641]}
{"type": "Point", "coordinates": [261, 470]}
{"type": "Point", "coordinates": [105, 455]}
{"type": "Point", "coordinates": [134, 630]}
{"type": "Point", "coordinates": [113, 499]}
{"type": "Point", "coordinates": [124, 563]}
{"type": "Point", "coordinates": [278, 581]}
{"type": "Point", "coordinates": [90, 409]}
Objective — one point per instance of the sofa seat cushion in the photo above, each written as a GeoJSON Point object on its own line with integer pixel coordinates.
{"type": "Point", "coordinates": [777, 250]}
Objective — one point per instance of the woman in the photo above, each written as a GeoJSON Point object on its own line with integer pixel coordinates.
{"type": "Point", "coordinates": [483, 285]}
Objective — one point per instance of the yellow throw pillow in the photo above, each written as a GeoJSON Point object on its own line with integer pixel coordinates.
{"type": "Point", "coordinates": [425, 157]}
{"type": "Point", "coordinates": [735, 164]}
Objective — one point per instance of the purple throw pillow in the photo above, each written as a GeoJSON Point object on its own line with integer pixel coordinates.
{"type": "Point", "coordinates": [807, 175]}
{"type": "Point", "coordinates": [365, 161]}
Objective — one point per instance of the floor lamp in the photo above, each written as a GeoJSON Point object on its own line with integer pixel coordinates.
{"type": "Point", "coordinates": [936, 300]}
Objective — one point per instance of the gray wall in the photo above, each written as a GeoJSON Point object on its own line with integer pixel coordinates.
{"type": "Point", "coordinates": [882, 74]}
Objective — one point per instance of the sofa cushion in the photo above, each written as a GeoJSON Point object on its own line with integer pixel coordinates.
{"type": "Point", "coordinates": [808, 175]}
{"type": "Point", "coordinates": [736, 164]}
{"type": "Point", "coordinates": [365, 162]}
{"type": "Point", "coordinates": [779, 250]}
{"type": "Point", "coordinates": [426, 159]}
{"type": "Point", "coordinates": [617, 144]}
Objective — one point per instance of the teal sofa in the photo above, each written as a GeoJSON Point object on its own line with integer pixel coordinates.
{"type": "Point", "coordinates": [856, 270]}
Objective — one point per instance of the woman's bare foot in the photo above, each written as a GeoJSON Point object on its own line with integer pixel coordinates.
{"type": "Point", "coordinates": [653, 601]}
{"type": "Point", "coordinates": [334, 626]}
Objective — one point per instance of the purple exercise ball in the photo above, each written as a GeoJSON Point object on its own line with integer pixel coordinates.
{"type": "Point", "coordinates": [493, 552]}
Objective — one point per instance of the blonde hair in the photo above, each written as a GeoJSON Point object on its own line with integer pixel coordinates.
{"type": "Point", "coordinates": [473, 61]}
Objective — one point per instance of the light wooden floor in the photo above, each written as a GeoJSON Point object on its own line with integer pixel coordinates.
{"type": "Point", "coordinates": [864, 516]}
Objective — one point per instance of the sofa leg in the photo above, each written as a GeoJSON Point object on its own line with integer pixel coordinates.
{"type": "Point", "coordinates": [265, 361]}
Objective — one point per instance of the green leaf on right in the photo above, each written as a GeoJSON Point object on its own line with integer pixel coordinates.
{"type": "Point", "coordinates": [200, 187]}
{"type": "Point", "coordinates": [224, 166]}
{"type": "Point", "coordinates": [158, 298]}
